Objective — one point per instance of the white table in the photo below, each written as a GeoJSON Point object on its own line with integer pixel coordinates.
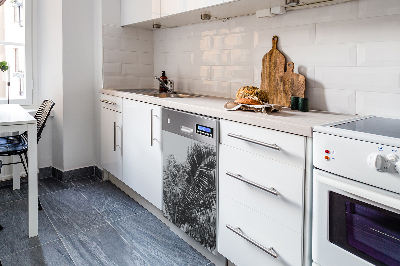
{"type": "Point", "coordinates": [15, 118]}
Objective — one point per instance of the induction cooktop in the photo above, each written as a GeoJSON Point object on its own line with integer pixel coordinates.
{"type": "Point", "coordinates": [381, 126]}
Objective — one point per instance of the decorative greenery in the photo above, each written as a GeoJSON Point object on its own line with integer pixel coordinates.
{"type": "Point", "coordinates": [190, 194]}
{"type": "Point", "coordinates": [3, 66]}
{"type": "Point", "coordinates": [16, 2]}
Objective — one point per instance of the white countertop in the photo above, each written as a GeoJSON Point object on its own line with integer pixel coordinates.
{"type": "Point", "coordinates": [295, 122]}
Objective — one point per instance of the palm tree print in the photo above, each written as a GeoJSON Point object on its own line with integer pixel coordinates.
{"type": "Point", "coordinates": [189, 193]}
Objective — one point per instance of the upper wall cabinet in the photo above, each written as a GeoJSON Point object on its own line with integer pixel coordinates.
{"type": "Point", "coordinates": [174, 13]}
{"type": "Point", "coordinates": [133, 11]}
{"type": "Point", "coordinates": [172, 7]}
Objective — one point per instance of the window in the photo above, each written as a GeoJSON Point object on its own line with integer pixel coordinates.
{"type": "Point", "coordinates": [16, 50]}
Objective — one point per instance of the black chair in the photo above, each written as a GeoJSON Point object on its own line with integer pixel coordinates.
{"type": "Point", "coordinates": [18, 145]}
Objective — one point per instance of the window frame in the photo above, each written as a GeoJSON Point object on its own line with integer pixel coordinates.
{"type": "Point", "coordinates": [29, 20]}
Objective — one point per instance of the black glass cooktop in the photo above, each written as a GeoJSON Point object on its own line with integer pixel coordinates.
{"type": "Point", "coordinates": [374, 125]}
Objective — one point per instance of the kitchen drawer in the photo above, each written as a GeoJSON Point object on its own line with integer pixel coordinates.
{"type": "Point", "coordinates": [286, 243]}
{"type": "Point", "coordinates": [285, 208]}
{"type": "Point", "coordinates": [111, 102]}
{"type": "Point", "coordinates": [292, 146]}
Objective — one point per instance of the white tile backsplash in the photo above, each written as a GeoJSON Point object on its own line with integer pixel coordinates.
{"type": "Point", "coordinates": [146, 58]}
{"type": "Point", "coordinates": [379, 54]}
{"type": "Point", "coordinates": [243, 74]}
{"type": "Point", "coordinates": [376, 29]}
{"type": "Point", "coordinates": [338, 101]}
{"type": "Point", "coordinates": [112, 43]}
{"type": "Point", "coordinates": [287, 36]}
{"type": "Point", "coordinates": [213, 57]}
{"type": "Point", "coordinates": [340, 12]}
{"type": "Point", "coordinates": [194, 72]}
{"type": "Point", "coordinates": [116, 56]}
{"type": "Point", "coordinates": [112, 69]}
{"type": "Point", "coordinates": [373, 79]}
{"type": "Point", "coordinates": [213, 88]}
{"type": "Point", "coordinates": [373, 8]}
{"type": "Point", "coordinates": [380, 104]}
{"type": "Point", "coordinates": [349, 54]}
{"type": "Point", "coordinates": [128, 57]}
{"type": "Point", "coordinates": [323, 55]}
{"type": "Point", "coordinates": [137, 70]}
{"type": "Point", "coordinates": [145, 46]}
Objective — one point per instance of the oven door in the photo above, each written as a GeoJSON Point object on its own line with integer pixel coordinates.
{"type": "Point", "coordinates": [353, 223]}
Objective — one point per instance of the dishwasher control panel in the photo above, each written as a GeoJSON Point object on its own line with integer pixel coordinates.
{"type": "Point", "coordinates": [193, 126]}
{"type": "Point", "coordinates": [204, 130]}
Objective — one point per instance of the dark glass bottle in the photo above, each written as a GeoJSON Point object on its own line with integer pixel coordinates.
{"type": "Point", "coordinates": [163, 78]}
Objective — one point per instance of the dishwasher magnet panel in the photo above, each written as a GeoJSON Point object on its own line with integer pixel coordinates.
{"type": "Point", "coordinates": [189, 187]}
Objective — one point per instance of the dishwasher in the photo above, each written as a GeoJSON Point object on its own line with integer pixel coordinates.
{"type": "Point", "coordinates": [190, 174]}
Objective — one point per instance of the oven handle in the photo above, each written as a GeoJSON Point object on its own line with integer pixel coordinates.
{"type": "Point", "coordinates": [361, 192]}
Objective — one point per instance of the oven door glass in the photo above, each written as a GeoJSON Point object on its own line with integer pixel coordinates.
{"type": "Point", "coordinates": [367, 231]}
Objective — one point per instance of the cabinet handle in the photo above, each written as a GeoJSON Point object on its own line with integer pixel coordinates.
{"type": "Point", "coordinates": [151, 127]}
{"type": "Point", "coordinates": [269, 190]}
{"type": "Point", "coordinates": [105, 101]}
{"type": "Point", "coordinates": [239, 232]}
{"type": "Point", "coordinates": [272, 146]}
{"type": "Point", "coordinates": [115, 136]}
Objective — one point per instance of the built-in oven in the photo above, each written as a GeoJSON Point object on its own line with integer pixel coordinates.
{"type": "Point", "coordinates": [356, 193]}
{"type": "Point", "coordinates": [354, 223]}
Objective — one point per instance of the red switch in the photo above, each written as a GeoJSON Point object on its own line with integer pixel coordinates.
{"type": "Point", "coordinates": [327, 151]}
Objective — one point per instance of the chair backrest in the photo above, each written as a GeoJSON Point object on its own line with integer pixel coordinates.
{"type": "Point", "coordinates": [41, 116]}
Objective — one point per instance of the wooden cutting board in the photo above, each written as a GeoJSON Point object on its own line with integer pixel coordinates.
{"type": "Point", "coordinates": [293, 84]}
{"type": "Point", "coordinates": [273, 68]}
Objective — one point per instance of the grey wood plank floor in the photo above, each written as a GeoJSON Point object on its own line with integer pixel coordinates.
{"type": "Point", "coordinates": [87, 222]}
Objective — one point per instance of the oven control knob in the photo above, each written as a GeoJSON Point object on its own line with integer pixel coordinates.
{"type": "Point", "coordinates": [378, 162]}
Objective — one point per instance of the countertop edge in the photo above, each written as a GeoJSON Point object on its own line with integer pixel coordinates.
{"type": "Point", "coordinates": [276, 121]}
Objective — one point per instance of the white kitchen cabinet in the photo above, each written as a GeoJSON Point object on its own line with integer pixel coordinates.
{"type": "Point", "coordinates": [111, 134]}
{"type": "Point", "coordinates": [142, 165]}
{"type": "Point", "coordinates": [171, 7]}
{"type": "Point", "coordinates": [261, 191]}
{"type": "Point", "coordinates": [133, 11]}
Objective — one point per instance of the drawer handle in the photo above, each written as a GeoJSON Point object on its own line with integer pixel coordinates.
{"type": "Point", "coordinates": [239, 232]}
{"type": "Point", "coordinates": [105, 101]}
{"type": "Point", "coordinates": [269, 190]}
{"type": "Point", "coordinates": [272, 146]}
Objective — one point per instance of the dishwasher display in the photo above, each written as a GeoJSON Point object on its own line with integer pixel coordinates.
{"type": "Point", "coordinates": [190, 160]}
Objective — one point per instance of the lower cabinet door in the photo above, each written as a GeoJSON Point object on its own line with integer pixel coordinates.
{"type": "Point", "coordinates": [249, 238]}
{"type": "Point", "coordinates": [111, 138]}
{"type": "Point", "coordinates": [142, 150]}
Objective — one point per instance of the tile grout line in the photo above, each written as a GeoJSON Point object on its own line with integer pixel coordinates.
{"type": "Point", "coordinates": [108, 222]}
{"type": "Point", "coordinates": [128, 244]}
{"type": "Point", "coordinates": [50, 192]}
{"type": "Point", "coordinates": [20, 251]}
{"type": "Point", "coordinates": [59, 238]}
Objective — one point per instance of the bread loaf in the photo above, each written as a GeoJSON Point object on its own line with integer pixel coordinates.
{"type": "Point", "coordinates": [251, 95]}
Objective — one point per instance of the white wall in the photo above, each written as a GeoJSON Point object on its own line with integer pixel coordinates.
{"type": "Point", "coordinates": [78, 83]}
{"type": "Point", "coordinates": [66, 63]}
{"type": "Point", "coordinates": [50, 75]}
{"type": "Point", "coordinates": [349, 53]}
